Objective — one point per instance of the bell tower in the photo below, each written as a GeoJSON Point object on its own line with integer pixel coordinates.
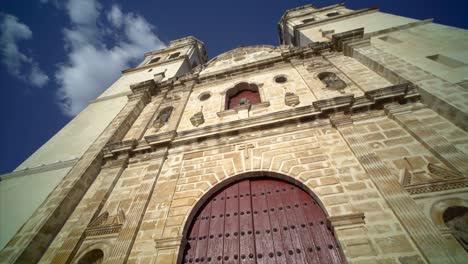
{"type": "Point", "coordinates": [39, 174]}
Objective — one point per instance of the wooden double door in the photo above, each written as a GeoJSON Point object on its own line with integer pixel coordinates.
{"type": "Point", "coordinates": [261, 221]}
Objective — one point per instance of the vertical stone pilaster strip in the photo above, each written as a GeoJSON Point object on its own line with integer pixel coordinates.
{"type": "Point", "coordinates": [123, 245]}
{"type": "Point", "coordinates": [421, 229]}
{"type": "Point", "coordinates": [435, 143]}
{"type": "Point", "coordinates": [42, 227]}
{"type": "Point", "coordinates": [93, 208]}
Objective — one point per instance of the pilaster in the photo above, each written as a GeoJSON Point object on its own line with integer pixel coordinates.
{"type": "Point", "coordinates": [434, 142]}
{"type": "Point", "coordinates": [74, 231]}
{"type": "Point", "coordinates": [43, 226]}
{"type": "Point", "coordinates": [423, 232]}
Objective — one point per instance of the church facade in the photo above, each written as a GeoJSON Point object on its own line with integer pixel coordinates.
{"type": "Point", "coordinates": [347, 143]}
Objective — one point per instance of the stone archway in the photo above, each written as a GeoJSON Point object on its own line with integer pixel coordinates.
{"type": "Point", "coordinates": [260, 220]}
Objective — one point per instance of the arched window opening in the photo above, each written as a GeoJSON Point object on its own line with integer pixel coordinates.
{"type": "Point", "coordinates": [242, 94]}
{"type": "Point", "coordinates": [308, 20]}
{"type": "Point", "coordinates": [456, 218]}
{"type": "Point", "coordinates": [260, 219]}
{"type": "Point", "coordinates": [331, 80]}
{"type": "Point", "coordinates": [163, 117]}
{"type": "Point", "coordinates": [174, 55]}
{"type": "Point", "coordinates": [332, 14]}
{"type": "Point", "coordinates": [154, 60]}
{"type": "Point", "coordinates": [95, 256]}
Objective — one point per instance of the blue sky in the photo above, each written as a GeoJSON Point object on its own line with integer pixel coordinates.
{"type": "Point", "coordinates": [57, 55]}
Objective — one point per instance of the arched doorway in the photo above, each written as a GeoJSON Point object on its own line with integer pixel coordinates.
{"type": "Point", "coordinates": [260, 220]}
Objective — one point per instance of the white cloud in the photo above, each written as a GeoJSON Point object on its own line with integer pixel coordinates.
{"type": "Point", "coordinates": [92, 63]}
{"type": "Point", "coordinates": [115, 16]}
{"type": "Point", "coordinates": [16, 62]}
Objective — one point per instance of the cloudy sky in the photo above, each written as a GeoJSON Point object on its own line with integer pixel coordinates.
{"type": "Point", "coordinates": [57, 55]}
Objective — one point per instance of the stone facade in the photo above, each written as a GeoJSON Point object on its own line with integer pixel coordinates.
{"type": "Point", "coordinates": [384, 154]}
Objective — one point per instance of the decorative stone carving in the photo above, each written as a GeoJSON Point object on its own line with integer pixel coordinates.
{"type": "Point", "coordinates": [198, 118]}
{"type": "Point", "coordinates": [291, 99]}
{"type": "Point", "coordinates": [438, 179]}
{"type": "Point", "coordinates": [105, 224]}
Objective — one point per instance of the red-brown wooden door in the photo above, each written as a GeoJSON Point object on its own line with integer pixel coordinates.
{"type": "Point", "coordinates": [261, 221]}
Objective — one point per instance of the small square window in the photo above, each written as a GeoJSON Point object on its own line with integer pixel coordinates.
{"type": "Point", "coordinates": [174, 55]}
{"type": "Point", "coordinates": [154, 60]}
{"type": "Point", "coordinates": [332, 14]}
{"type": "Point", "coordinates": [447, 61]}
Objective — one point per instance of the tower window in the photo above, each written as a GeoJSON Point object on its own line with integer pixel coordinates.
{"type": "Point", "coordinates": [331, 80]}
{"type": "Point", "coordinates": [154, 60]}
{"type": "Point", "coordinates": [332, 14]}
{"type": "Point", "coordinates": [174, 55]}
{"type": "Point", "coordinates": [308, 20]}
{"type": "Point", "coordinates": [242, 94]}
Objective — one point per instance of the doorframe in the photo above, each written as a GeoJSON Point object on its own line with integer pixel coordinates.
{"type": "Point", "coordinates": [237, 178]}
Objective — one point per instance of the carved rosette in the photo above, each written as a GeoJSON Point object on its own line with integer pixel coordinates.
{"type": "Point", "coordinates": [291, 99]}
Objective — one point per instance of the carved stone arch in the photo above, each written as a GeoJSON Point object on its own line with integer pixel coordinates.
{"type": "Point", "coordinates": [95, 251]}
{"type": "Point", "coordinates": [254, 94]}
{"type": "Point", "coordinates": [269, 177]}
{"type": "Point", "coordinates": [438, 208]}
{"type": "Point", "coordinates": [451, 215]}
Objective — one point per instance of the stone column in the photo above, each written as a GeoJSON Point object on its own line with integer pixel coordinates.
{"type": "Point", "coordinates": [421, 229]}
{"type": "Point", "coordinates": [38, 232]}
{"type": "Point", "coordinates": [438, 145]}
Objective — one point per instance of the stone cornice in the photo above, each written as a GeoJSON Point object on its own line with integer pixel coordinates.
{"type": "Point", "coordinates": [151, 65]}
{"type": "Point", "coordinates": [350, 108]}
{"type": "Point", "coordinates": [397, 28]}
{"type": "Point", "coordinates": [110, 97]}
{"type": "Point", "coordinates": [43, 168]}
{"type": "Point", "coordinates": [339, 17]}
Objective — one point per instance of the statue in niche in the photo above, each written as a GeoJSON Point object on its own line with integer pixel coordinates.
{"type": "Point", "coordinates": [163, 118]}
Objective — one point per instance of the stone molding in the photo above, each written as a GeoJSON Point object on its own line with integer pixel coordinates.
{"type": "Point", "coordinates": [43, 168]}
{"type": "Point", "coordinates": [442, 179]}
{"type": "Point", "coordinates": [105, 224]}
{"type": "Point", "coordinates": [110, 97]}
{"type": "Point", "coordinates": [432, 140]}
{"type": "Point", "coordinates": [425, 234]}
{"type": "Point", "coordinates": [319, 109]}
{"type": "Point", "coordinates": [346, 220]}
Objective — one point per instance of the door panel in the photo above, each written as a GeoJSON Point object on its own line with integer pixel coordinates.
{"type": "Point", "coordinates": [261, 221]}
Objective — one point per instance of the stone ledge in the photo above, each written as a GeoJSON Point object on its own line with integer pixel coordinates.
{"type": "Point", "coordinates": [346, 220]}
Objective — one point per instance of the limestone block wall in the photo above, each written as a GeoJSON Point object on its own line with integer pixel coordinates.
{"type": "Point", "coordinates": [415, 44]}
{"type": "Point", "coordinates": [365, 78]}
{"type": "Point", "coordinates": [371, 21]}
{"type": "Point", "coordinates": [448, 99]}
{"type": "Point", "coordinates": [315, 156]}
{"type": "Point", "coordinates": [271, 93]}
